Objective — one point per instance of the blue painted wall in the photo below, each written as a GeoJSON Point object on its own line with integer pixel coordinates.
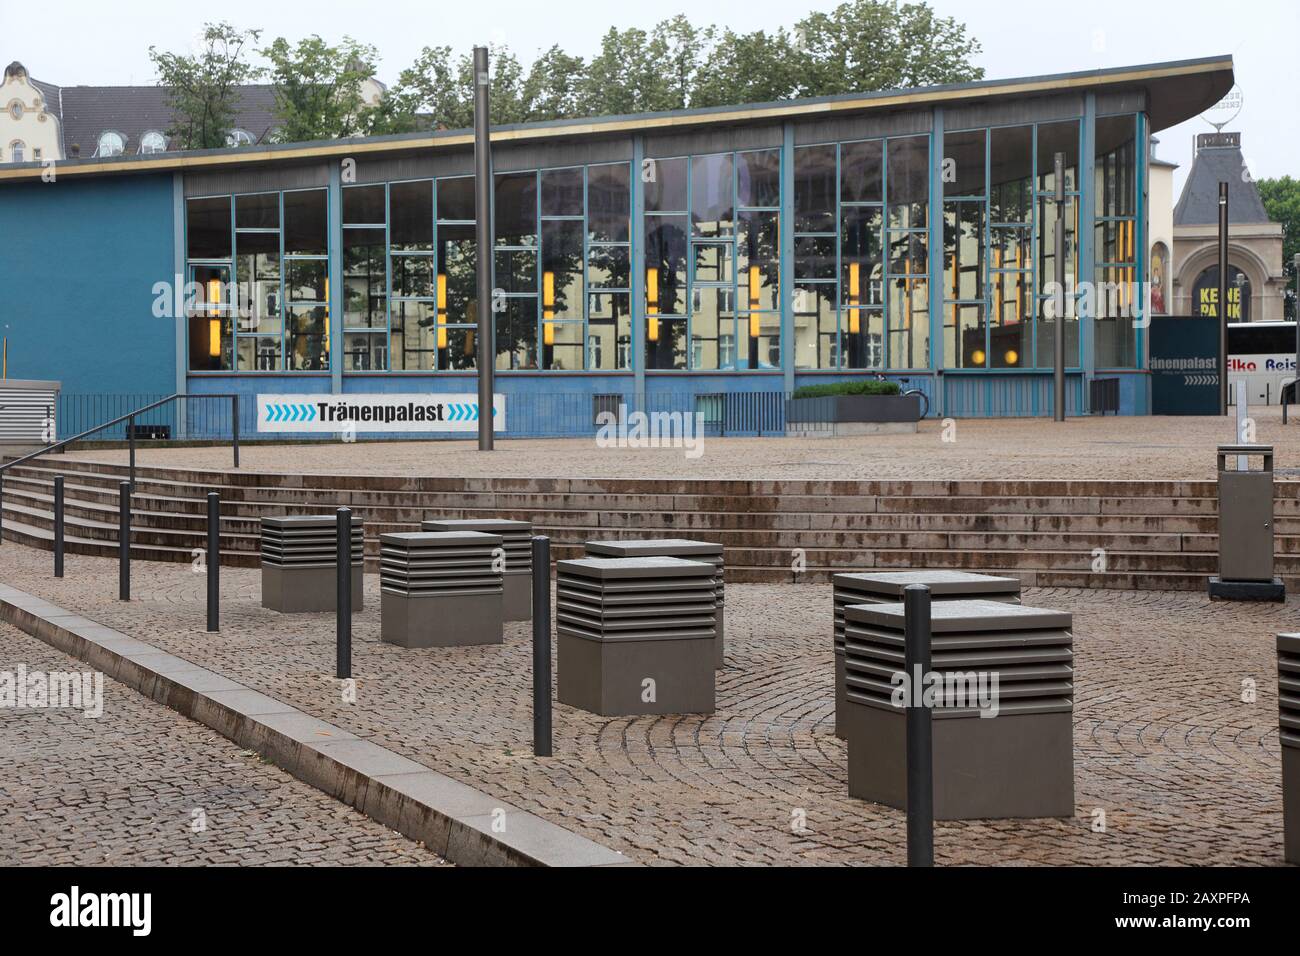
{"type": "Point", "coordinates": [79, 262]}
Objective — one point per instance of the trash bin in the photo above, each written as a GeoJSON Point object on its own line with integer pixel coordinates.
{"type": "Point", "coordinates": [440, 589]}
{"type": "Point", "coordinates": [1288, 702]}
{"type": "Point", "coordinates": [688, 548]}
{"type": "Point", "coordinates": [517, 542]}
{"type": "Point", "coordinates": [886, 587]}
{"type": "Point", "coordinates": [1246, 528]}
{"type": "Point", "coordinates": [300, 562]}
{"type": "Point", "coordinates": [1002, 722]}
{"type": "Point", "coordinates": [635, 635]}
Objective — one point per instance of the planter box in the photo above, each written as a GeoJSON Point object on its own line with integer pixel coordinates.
{"type": "Point", "coordinates": [837, 415]}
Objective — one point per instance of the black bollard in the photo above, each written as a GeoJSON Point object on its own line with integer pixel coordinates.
{"type": "Point", "coordinates": [541, 646]}
{"type": "Point", "coordinates": [920, 742]}
{"type": "Point", "coordinates": [214, 561]}
{"type": "Point", "coordinates": [58, 526]}
{"type": "Point", "coordinates": [2, 505]}
{"type": "Point", "coordinates": [124, 541]}
{"type": "Point", "coordinates": [343, 621]}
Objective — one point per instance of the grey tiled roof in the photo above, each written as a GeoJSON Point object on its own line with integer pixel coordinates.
{"type": "Point", "coordinates": [87, 111]}
{"type": "Point", "coordinates": [1199, 203]}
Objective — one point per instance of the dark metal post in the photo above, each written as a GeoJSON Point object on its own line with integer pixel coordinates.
{"type": "Point", "coordinates": [130, 441]}
{"type": "Point", "coordinates": [541, 646]}
{"type": "Point", "coordinates": [234, 426]}
{"type": "Point", "coordinates": [58, 526]}
{"type": "Point", "coordinates": [920, 743]}
{"type": "Point", "coordinates": [1058, 359]}
{"type": "Point", "coordinates": [214, 561]}
{"type": "Point", "coordinates": [483, 234]}
{"type": "Point", "coordinates": [124, 541]}
{"type": "Point", "coordinates": [343, 602]}
{"type": "Point", "coordinates": [1223, 298]}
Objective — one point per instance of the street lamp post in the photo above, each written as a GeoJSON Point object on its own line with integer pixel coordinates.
{"type": "Point", "coordinates": [1058, 358]}
{"type": "Point", "coordinates": [483, 237]}
{"type": "Point", "coordinates": [1222, 310]}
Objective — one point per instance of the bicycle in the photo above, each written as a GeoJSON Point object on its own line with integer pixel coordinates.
{"type": "Point", "coordinates": [922, 399]}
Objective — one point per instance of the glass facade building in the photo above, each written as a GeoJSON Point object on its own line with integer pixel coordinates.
{"type": "Point", "coordinates": [697, 253]}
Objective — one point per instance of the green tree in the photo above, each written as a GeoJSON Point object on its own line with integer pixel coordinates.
{"type": "Point", "coordinates": [553, 88]}
{"type": "Point", "coordinates": [754, 67]}
{"type": "Point", "coordinates": [203, 88]}
{"type": "Point", "coordinates": [318, 88]}
{"type": "Point", "coordinates": [868, 45]}
{"type": "Point", "coordinates": [1282, 202]}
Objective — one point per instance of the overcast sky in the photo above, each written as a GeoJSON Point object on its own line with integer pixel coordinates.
{"type": "Point", "coordinates": [107, 43]}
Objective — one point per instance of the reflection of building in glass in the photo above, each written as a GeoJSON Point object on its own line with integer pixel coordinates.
{"type": "Point", "coordinates": [909, 234]}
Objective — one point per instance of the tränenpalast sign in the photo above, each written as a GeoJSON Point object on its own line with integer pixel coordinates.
{"type": "Point", "coordinates": [322, 414]}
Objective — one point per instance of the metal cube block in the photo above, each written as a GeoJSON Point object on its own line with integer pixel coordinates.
{"type": "Point", "coordinates": [517, 543]}
{"type": "Point", "coordinates": [440, 589]}
{"type": "Point", "coordinates": [299, 564]}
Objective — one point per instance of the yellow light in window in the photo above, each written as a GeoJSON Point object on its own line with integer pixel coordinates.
{"type": "Point", "coordinates": [441, 318]}
{"type": "Point", "coordinates": [1012, 357]}
{"type": "Point", "coordinates": [977, 357]}
{"type": "Point", "coordinates": [855, 277]}
{"type": "Point", "coordinates": [755, 329]}
{"type": "Point", "coordinates": [855, 322]}
{"type": "Point", "coordinates": [652, 303]}
{"type": "Point", "coordinates": [214, 338]}
{"type": "Point", "coordinates": [754, 282]}
{"type": "Point", "coordinates": [548, 308]}
{"type": "Point", "coordinates": [214, 297]}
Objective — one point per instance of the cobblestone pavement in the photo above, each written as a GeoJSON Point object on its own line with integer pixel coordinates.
{"type": "Point", "coordinates": [997, 448]}
{"type": "Point", "coordinates": [141, 784]}
{"type": "Point", "coordinates": [1184, 770]}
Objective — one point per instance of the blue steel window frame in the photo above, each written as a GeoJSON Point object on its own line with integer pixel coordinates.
{"type": "Point", "coordinates": [738, 314]}
{"type": "Point", "coordinates": [229, 265]}
{"type": "Point", "coordinates": [587, 292]}
{"type": "Point", "coordinates": [1039, 297]}
{"type": "Point", "coordinates": [542, 219]}
{"type": "Point", "coordinates": [285, 260]}
{"type": "Point", "coordinates": [437, 226]}
{"type": "Point", "coordinates": [431, 256]}
{"type": "Point", "coordinates": [924, 231]}
{"type": "Point", "coordinates": [1027, 271]}
{"type": "Point", "coordinates": [234, 255]}
{"type": "Point", "coordinates": [684, 318]}
{"type": "Point", "coordinates": [387, 331]}
{"type": "Point", "coordinates": [1136, 266]}
{"type": "Point", "coordinates": [985, 267]}
{"type": "Point", "coordinates": [834, 283]}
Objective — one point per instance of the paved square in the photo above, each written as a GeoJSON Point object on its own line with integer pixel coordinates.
{"type": "Point", "coordinates": [1184, 770]}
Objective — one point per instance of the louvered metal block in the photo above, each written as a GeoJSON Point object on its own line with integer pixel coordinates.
{"type": "Point", "coordinates": [1288, 700]}
{"type": "Point", "coordinates": [517, 543]}
{"type": "Point", "coordinates": [886, 587]}
{"type": "Point", "coordinates": [636, 635]}
{"type": "Point", "coordinates": [687, 548]}
{"type": "Point", "coordinates": [440, 589]}
{"type": "Point", "coordinates": [299, 563]}
{"type": "Point", "coordinates": [1018, 762]}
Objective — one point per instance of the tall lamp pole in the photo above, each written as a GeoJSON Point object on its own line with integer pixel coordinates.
{"type": "Point", "coordinates": [1223, 298]}
{"type": "Point", "coordinates": [483, 241]}
{"type": "Point", "coordinates": [1058, 359]}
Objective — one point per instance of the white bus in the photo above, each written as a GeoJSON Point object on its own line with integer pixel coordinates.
{"type": "Point", "coordinates": [1262, 354]}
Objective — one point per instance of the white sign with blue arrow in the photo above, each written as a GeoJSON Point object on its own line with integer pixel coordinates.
{"type": "Point", "coordinates": [418, 412]}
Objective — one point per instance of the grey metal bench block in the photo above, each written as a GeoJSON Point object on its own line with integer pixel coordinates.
{"type": "Point", "coordinates": [299, 563]}
{"type": "Point", "coordinates": [1019, 763]}
{"type": "Point", "coordinates": [517, 543]}
{"type": "Point", "coordinates": [636, 635]}
{"type": "Point", "coordinates": [687, 548]}
{"type": "Point", "coordinates": [886, 587]}
{"type": "Point", "coordinates": [440, 589]}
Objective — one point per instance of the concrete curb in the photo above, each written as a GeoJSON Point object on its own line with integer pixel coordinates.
{"type": "Point", "coordinates": [456, 821]}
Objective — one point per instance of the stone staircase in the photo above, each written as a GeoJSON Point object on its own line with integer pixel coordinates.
{"type": "Point", "coordinates": [1149, 534]}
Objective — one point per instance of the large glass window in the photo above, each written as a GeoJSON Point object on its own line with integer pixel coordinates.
{"type": "Point", "coordinates": [306, 268]}
{"type": "Point", "coordinates": [609, 267]}
{"type": "Point", "coordinates": [1116, 300]}
{"type": "Point", "coordinates": [1053, 138]}
{"type": "Point", "coordinates": [365, 278]}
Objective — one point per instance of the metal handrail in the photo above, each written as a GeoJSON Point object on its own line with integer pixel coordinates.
{"type": "Point", "coordinates": [129, 418]}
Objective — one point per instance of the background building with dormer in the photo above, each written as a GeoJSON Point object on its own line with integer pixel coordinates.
{"type": "Point", "coordinates": [42, 121]}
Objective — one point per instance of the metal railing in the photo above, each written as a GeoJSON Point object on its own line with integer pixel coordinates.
{"type": "Point", "coordinates": [131, 424]}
